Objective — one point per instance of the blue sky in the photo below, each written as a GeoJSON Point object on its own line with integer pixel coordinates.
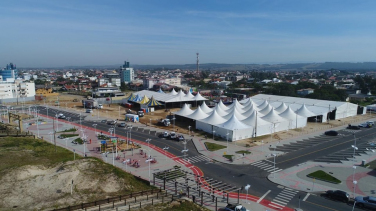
{"type": "Point", "coordinates": [54, 33]}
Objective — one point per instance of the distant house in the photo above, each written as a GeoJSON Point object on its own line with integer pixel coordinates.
{"type": "Point", "coordinates": [304, 92]}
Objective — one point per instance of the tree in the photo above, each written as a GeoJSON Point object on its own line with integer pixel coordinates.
{"type": "Point", "coordinates": [123, 87]}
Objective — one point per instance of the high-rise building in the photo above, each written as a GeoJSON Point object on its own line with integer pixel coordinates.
{"type": "Point", "coordinates": [9, 73]}
{"type": "Point", "coordinates": [126, 73]}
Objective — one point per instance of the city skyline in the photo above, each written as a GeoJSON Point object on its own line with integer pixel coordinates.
{"type": "Point", "coordinates": [82, 33]}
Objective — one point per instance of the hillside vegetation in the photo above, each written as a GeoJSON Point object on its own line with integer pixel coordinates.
{"type": "Point", "coordinates": [35, 177]}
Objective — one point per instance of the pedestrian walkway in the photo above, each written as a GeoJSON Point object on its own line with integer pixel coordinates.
{"type": "Point", "coordinates": [284, 197]}
{"type": "Point", "coordinates": [198, 158]}
{"type": "Point", "coordinates": [266, 165]}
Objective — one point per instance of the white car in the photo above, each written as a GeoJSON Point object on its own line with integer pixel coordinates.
{"type": "Point", "coordinates": [100, 106]}
{"type": "Point", "coordinates": [89, 111]}
{"type": "Point", "coordinates": [372, 123]}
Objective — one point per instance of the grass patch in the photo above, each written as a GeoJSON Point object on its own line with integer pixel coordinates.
{"type": "Point", "coordinates": [68, 130]}
{"type": "Point", "coordinates": [102, 137]}
{"type": "Point", "coordinates": [228, 156]}
{"type": "Point", "coordinates": [322, 175]}
{"type": "Point", "coordinates": [243, 152]}
{"type": "Point", "coordinates": [68, 135]}
{"type": "Point", "coordinates": [213, 146]}
{"type": "Point", "coordinates": [79, 141]}
{"type": "Point", "coordinates": [372, 165]}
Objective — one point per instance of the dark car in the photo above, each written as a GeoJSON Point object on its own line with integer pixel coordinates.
{"type": "Point", "coordinates": [368, 201]}
{"type": "Point", "coordinates": [180, 138]}
{"type": "Point", "coordinates": [338, 195]}
{"type": "Point", "coordinates": [353, 127]}
{"type": "Point", "coordinates": [331, 133]}
{"type": "Point", "coordinates": [104, 121]}
{"type": "Point", "coordinates": [233, 207]}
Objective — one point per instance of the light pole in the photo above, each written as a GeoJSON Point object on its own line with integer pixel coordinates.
{"type": "Point", "coordinates": [274, 155]}
{"type": "Point", "coordinates": [148, 140]}
{"type": "Point", "coordinates": [95, 129]}
{"type": "Point", "coordinates": [213, 134]}
{"type": "Point", "coordinates": [246, 196]}
{"type": "Point", "coordinates": [355, 148]}
{"type": "Point", "coordinates": [354, 182]}
{"type": "Point", "coordinates": [227, 141]}
{"type": "Point", "coordinates": [354, 168]}
{"type": "Point", "coordinates": [189, 130]}
{"type": "Point", "coordinates": [165, 149]}
{"type": "Point", "coordinates": [119, 112]}
{"type": "Point", "coordinates": [149, 161]}
{"type": "Point", "coordinates": [262, 146]}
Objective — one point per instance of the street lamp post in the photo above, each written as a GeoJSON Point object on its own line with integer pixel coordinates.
{"type": "Point", "coordinates": [354, 182]}
{"type": "Point", "coordinates": [246, 196]}
{"type": "Point", "coordinates": [148, 140]}
{"type": "Point", "coordinates": [355, 148]}
{"type": "Point", "coordinates": [354, 168]}
{"type": "Point", "coordinates": [95, 129]}
{"type": "Point", "coordinates": [149, 161]}
{"type": "Point", "coordinates": [213, 134]}
{"type": "Point", "coordinates": [274, 155]}
{"type": "Point", "coordinates": [189, 130]}
{"type": "Point", "coordinates": [165, 149]}
{"type": "Point", "coordinates": [227, 141]}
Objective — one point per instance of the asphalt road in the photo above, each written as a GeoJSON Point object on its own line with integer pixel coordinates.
{"type": "Point", "coordinates": [240, 175]}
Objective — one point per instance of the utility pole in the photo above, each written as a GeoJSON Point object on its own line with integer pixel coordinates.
{"type": "Point", "coordinates": [53, 123]}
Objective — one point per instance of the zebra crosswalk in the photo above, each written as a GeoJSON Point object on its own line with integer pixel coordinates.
{"type": "Point", "coordinates": [267, 166]}
{"type": "Point", "coordinates": [351, 131]}
{"type": "Point", "coordinates": [284, 197]}
{"type": "Point", "coordinates": [197, 158]}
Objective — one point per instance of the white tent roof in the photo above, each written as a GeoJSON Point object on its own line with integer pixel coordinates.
{"type": "Point", "coordinates": [266, 110]}
{"type": "Point", "coordinates": [263, 105]}
{"type": "Point", "coordinates": [234, 112]}
{"type": "Point", "coordinates": [245, 101]}
{"type": "Point", "coordinates": [189, 95]}
{"type": "Point", "coordinates": [233, 123]}
{"type": "Point", "coordinates": [303, 111]}
{"type": "Point", "coordinates": [235, 103]}
{"type": "Point", "coordinates": [173, 92]}
{"type": "Point", "coordinates": [251, 120]}
{"type": "Point", "coordinates": [165, 98]}
{"type": "Point", "coordinates": [185, 111]}
{"type": "Point", "coordinates": [222, 106]}
{"type": "Point", "coordinates": [290, 114]}
{"type": "Point", "coordinates": [220, 111]}
{"type": "Point", "coordinates": [199, 97]}
{"type": "Point", "coordinates": [198, 114]}
{"type": "Point", "coordinates": [205, 108]}
{"type": "Point", "coordinates": [180, 94]}
{"type": "Point", "coordinates": [214, 119]}
{"type": "Point", "coordinates": [281, 108]}
{"type": "Point", "coordinates": [273, 117]}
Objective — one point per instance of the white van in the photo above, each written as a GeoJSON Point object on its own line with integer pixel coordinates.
{"type": "Point", "coordinates": [89, 111]}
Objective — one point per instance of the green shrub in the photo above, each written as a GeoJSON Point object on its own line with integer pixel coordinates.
{"type": "Point", "coordinates": [213, 146]}
{"type": "Point", "coordinates": [322, 175]}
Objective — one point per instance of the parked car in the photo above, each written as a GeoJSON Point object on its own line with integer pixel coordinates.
{"type": "Point", "coordinates": [331, 133]}
{"type": "Point", "coordinates": [180, 138]}
{"type": "Point", "coordinates": [368, 202]}
{"type": "Point", "coordinates": [338, 195]}
{"type": "Point", "coordinates": [353, 127]}
{"type": "Point", "coordinates": [100, 106]}
{"type": "Point", "coordinates": [122, 124]}
{"type": "Point", "coordinates": [104, 121]}
{"type": "Point", "coordinates": [112, 122]}
{"type": "Point", "coordinates": [61, 117]}
{"type": "Point", "coordinates": [89, 111]}
{"type": "Point", "coordinates": [232, 207]}
{"type": "Point", "coordinates": [372, 123]}
{"type": "Point", "coordinates": [365, 125]}
{"type": "Point", "coordinates": [163, 135]}
{"type": "Point", "coordinates": [172, 136]}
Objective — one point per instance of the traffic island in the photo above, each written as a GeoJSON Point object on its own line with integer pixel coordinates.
{"type": "Point", "coordinates": [323, 176]}
{"type": "Point", "coordinates": [213, 147]}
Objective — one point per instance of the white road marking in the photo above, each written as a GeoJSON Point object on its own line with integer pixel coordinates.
{"type": "Point", "coordinates": [305, 198]}
{"type": "Point", "coordinates": [263, 196]}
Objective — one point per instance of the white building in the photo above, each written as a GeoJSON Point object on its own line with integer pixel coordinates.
{"type": "Point", "coordinates": [13, 91]}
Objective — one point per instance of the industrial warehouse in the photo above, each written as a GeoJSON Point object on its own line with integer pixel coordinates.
{"type": "Point", "coordinates": [265, 114]}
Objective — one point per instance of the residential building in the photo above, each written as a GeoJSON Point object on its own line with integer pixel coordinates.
{"type": "Point", "coordinates": [148, 83]}
{"type": "Point", "coordinates": [126, 73]}
{"type": "Point", "coordinates": [14, 91]}
{"type": "Point", "coordinates": [9, 73]}
{"type": "Point", "coordinates": [305, 92]}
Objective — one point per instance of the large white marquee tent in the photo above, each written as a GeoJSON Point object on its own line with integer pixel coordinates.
{"type": "Point", "coordinates": [262, 115]}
